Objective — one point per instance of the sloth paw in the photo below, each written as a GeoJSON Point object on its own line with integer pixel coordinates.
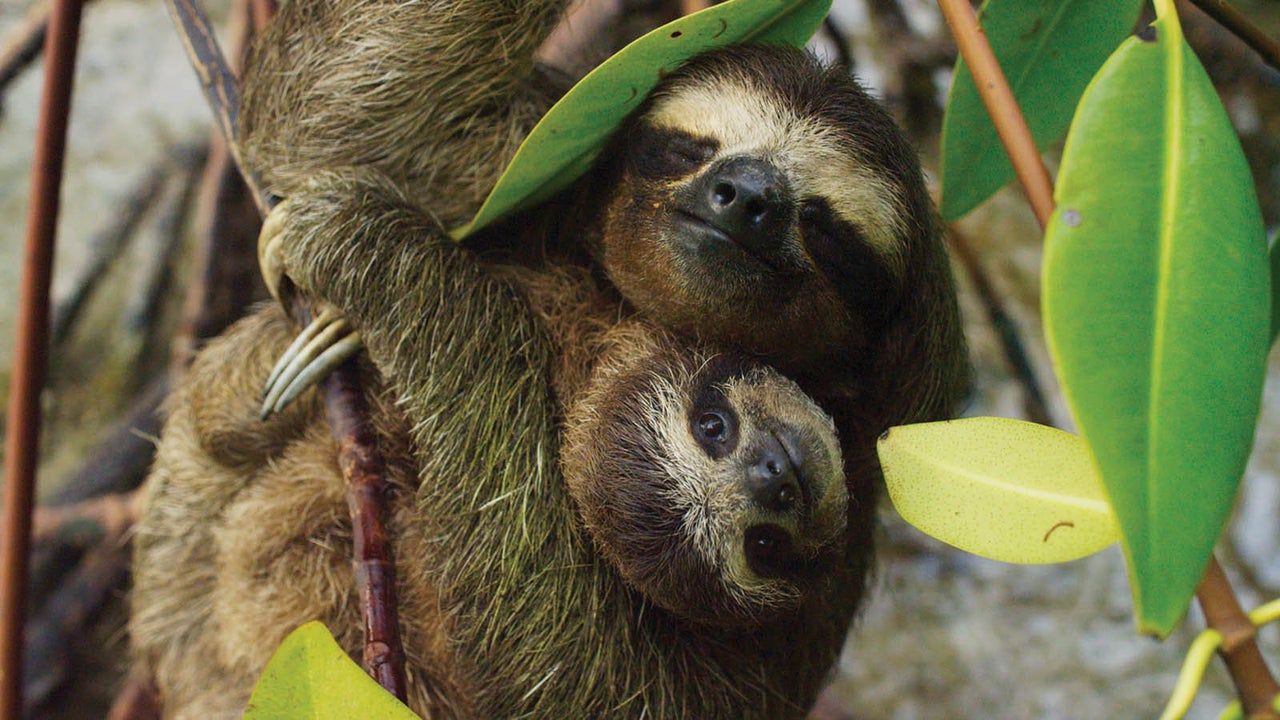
{"type": "Point", "coordinates": [271, 249]}
{"type": "Point", "coordinates": [322, 346]}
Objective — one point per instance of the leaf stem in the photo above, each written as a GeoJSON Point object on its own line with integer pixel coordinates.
{"type": "Point", "coordinates": [1197, 661]}
{"type": "Point", "coordinates": [998, 97]}
{"type": "Point", "coordinates": [1235, 21]}
{"type": "Point", "coordinates": [1254, 682]}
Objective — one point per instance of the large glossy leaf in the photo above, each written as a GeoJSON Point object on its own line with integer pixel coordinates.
{"type": "Point", "coordinates": [1156, 305]}
{"type": "Point", "coordinates": [1274, 255]}
{"type": "Point", "coordinates": [1004, 489]}
{"type": "Point", "coordinates": [570, 137]}
{"type": "Point", "coordinates": [311, 678]}
{"type": "Point", "coordinates": [1048, 50]}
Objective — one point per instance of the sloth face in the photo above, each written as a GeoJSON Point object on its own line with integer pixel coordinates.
{"type": "Point", "coordinates": [713, 485]}
{"type": "Point", "coordinates": [780, 197]}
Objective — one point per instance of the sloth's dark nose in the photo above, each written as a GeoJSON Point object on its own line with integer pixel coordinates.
{"type": "Point", "coordinates": [748, 199]}
{"type": "Point", "coordinates": [772, 478]}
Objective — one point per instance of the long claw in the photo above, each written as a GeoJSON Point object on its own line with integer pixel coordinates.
{"type": "Point", "coordinates": [317, 370]}
{"type": "Point", "coordinates": [314, 346]}
{"type": "Point", "coordinates": [269, 254]}
{"type": "Point", "coordinates": [295, 352]}
{"type": "Point", "coordinates": [324, 344]}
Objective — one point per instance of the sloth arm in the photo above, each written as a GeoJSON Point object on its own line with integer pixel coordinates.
{"type": "Point", "coordinates": [469, 363]}
{"type": "Point", "coordinates": [436, 94]}
{"type": "Point", "coordinates": [464, 353]}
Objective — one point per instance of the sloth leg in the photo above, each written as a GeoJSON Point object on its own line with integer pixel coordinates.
{"type": "Point", "coordinates": [321, 347]}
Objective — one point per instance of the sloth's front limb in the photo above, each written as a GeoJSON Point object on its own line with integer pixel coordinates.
{"type": "Point", "coordinates": [327, 342]}
{"type": "Point", "coordinates": [429, 315]}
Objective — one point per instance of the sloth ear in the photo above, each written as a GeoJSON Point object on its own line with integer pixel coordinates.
{"type": "Point", "coordinates": [569, 138]}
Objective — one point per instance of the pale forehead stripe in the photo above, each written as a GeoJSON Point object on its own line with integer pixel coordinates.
{"type": "Point", "coordinates": [818, 161]}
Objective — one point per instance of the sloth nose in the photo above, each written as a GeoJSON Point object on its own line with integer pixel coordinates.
{"type": "Point", "coordinates": [772, 479]}
{"type": "Point", "coordinates": [747, 199]}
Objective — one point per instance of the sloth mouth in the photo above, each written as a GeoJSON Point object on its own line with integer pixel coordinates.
{"type": "Point", "coordinates": [771, 551]}
{"type": "Point", "coordinates": [700, 236]}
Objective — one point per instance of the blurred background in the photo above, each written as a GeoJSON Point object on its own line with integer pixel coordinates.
{"type": "Point", "coordinates": [156, 251]}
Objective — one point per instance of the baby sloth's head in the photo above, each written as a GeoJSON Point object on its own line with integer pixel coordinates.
{"type": "Point", "coordinates": [712, 483]}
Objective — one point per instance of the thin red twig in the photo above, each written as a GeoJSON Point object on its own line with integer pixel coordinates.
{"type": "Point", "coordinates": [364, 472]}
{"type": "Point", "coordinates": [31, 347]}
{"type": "Point", "coordinates": [998, 98]}
{"type": "Point", "coordinates": [361, 462]}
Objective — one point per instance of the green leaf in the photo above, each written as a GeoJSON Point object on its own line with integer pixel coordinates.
{"type": "Point", "coordinates": [1004, 489]}
{"type": "Point", "coordinates": [1274, 257]}
{"type": "Point", "coordinates": [1156, 306]}
{"type": "Point", "coordinates": [568, 139]}
{"type": "Point", "coordinates": [311, 678]}
{"type": "Point", "coordinates": [1048, 50]}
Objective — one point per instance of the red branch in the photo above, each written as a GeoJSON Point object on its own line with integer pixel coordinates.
{"type": "Point", "coordinates": [998, 98]}
{"type": "Point", "coordinates": [361, 462]}
{"type": "Point", "coordinates": [364, 472]}
{"type": "Point", "coordinates": [31, 347]}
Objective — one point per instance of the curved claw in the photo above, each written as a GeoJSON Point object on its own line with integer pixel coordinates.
{"type": "Point", "coordinates": [325, 321]}
{"type": "Point", "coordinates": [270, 257]}
{"type": "Point", "coordinates": [322, 346]}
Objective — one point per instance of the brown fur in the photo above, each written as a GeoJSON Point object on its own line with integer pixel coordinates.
{"type": "Point", "coordinates": [436, 96]}
{"type": "Point", "coordinates": [507, 607]}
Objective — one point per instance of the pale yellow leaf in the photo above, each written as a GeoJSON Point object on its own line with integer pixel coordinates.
{"type": "Point", "coordinates": [1004, 489]}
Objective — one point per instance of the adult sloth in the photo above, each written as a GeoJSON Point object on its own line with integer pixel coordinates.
{"type": "Point", "coordinates": [693, 560]}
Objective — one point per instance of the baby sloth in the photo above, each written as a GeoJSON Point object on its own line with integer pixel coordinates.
{"type": "Point", "coordinates": [712, 579]}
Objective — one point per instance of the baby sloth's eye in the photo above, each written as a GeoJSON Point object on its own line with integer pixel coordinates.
{"type": "Point", "coordinates": [716, 430]}
{"type": "Point", "coordinates": [712, 426]}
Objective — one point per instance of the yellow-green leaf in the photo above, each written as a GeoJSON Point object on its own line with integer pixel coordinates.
{"type": "Point", "coordinates": [1004, 489]}
{"type": "Point", "coordinates": [1157, 305]}
{"type": "Point", "coordinates": [311, 678]}
{"type": "Point", "coordinates": [568, 139]}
